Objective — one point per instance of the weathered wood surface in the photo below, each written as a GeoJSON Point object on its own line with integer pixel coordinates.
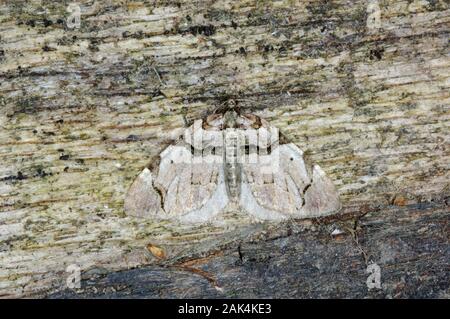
{"type": "Point", "coordinates": [84, 110]}
{"type": "Point", "coordinates": [410, 245]}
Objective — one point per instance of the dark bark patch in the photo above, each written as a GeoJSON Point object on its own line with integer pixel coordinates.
{"type": "Point", "coordinates": [206, 30]}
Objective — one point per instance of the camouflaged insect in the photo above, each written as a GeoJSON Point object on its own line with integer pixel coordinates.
{"type": "Point", "coordinates": [229, 162]}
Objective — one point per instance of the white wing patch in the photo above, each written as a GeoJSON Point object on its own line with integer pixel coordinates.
{"type": "Point", "coordinates": [190, 190]}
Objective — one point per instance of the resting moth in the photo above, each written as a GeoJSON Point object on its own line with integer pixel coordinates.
{"type": "Point", "coordinates": [231, 162]}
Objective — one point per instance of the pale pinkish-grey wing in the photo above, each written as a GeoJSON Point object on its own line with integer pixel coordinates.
{"type": "Point", "coordinates": [142, 199]}
{"type": "Point", "coordinates": [286, 189]}
{"type": "Point", "coordinates": [184, 187]}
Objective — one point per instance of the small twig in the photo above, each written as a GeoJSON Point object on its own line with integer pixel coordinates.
{"type": "Point", "coordinates": [356, 241]}
{"type": "Point", "coordinates": [157, 74]}
{"type": "Point", "coordinates": [188, 266]}
{"type": "Point", "coordinates": [200, 272]}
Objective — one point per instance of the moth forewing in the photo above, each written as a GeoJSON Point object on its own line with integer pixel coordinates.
{"type": "Point", "coordinates": [142, 199]}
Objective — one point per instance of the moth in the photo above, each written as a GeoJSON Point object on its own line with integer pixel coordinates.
{"type": "Point", "coordinates": [231, 162]}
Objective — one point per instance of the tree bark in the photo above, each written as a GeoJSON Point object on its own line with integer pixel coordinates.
{"type": "Point", "coordinates": [362, 88]}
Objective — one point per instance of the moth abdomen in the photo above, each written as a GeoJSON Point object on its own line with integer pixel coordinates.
{"type": "Point", "coordinates": [232, 167]}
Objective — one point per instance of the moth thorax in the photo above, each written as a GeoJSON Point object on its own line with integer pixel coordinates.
{"type": "Point", "coordinates": [230, 119]}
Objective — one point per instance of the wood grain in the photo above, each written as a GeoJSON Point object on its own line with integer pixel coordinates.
{"type": "Point", "coordinates": [85, 110]}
